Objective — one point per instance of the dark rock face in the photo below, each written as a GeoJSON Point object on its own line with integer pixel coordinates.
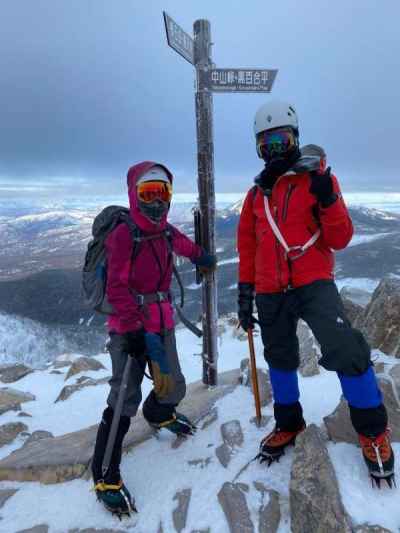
{"type": "Point", "coordinates": [11, 373]}
{"type": "Point", "coordinates": [381, 319]}
{"type": "Point", "coordinates": [315, 502]}
{"type": "Point", "coordinates": [232, 499]}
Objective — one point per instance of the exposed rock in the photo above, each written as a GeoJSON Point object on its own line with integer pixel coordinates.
{"type": "Point", "coordinates": [11, 373]}
{"type": "Point", "coordinates": [264, 384]}
{"type": "Point", "coordinates": [61, 364]}
{"type": "Point", "coordinates": [8, 432]}
{"type": "Point", "coordinates": [309, 351]}
{"type": "Point", "coordinates": [395, 375]}
{"type": "Point", "coordinates": [11, 399]}
{"type": "Point", "coordinates": [355, 295]}
{"type": "Point", "coordinates": [38, 435]}
{"type": "Point", "coordinates": [41, 528]}
{"type": "Point", "coordinates": [224, 454]}
{"type": "Point", "coordinates": [365, 528]}
{"type": "Point", "coordinates": [315, 502]}
{"type": "Point", "coordinates": [270, 513]}
{"type": "Point", "coordinates": [94, 530]}
{"type": "Point", "coordinates": [354, 312]}
{"type": "Point", "coordinates": [81, 383]}
{"type": "Point", "coordinates": [56, 372]}
{"type": "Point", "coordinates": [179, 515]}
{"type": "Point", "coordinates": [22, 414]}
{"type": "Point", "coordinates": [67, 457]}
{"type": "Point", "coordinates": [233, 502]}
{"type": "Point", "coordinates": [84, 364]}
{"type": "Point", "coordinates": [6, 494]}
{"type": "Point", "coordinates": [338, 423]}
{"type": "Point", "coordinates": [208, 530]}
{"type": "Point", "coordinates": [211, 418]}
{"type": "Point", "coordinates": [203, 463]}
{"type": "Point", "coordinates": [232, 435]}
{"type": "Point", "coordinates": [379, 367]}
{"type": "Point", "coordinates": [381, 321]}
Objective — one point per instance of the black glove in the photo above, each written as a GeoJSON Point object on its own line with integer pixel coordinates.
{"type": "Point", "coordinates": [245, 301]}
{"type": "Point", "coordinates": [206, 262]}
{"type": "Point", "coordinates": [133, 343]}
{"type": "Point", "coordinates": [322, 187]}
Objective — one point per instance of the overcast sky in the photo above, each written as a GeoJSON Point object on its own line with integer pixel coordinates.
{"type": "Point", "coordinates": [89, 87]}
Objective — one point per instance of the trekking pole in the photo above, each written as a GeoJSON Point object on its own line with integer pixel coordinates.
{"type": "Point", "coordinates": [254, 376]}
{"type": "Point", "coordinates": [116, 417]}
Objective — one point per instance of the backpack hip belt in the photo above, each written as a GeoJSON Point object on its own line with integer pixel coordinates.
{"type": "Point", "coordinates": [291, 252]}
{"type": "Point", "coordinates": [152, 298]}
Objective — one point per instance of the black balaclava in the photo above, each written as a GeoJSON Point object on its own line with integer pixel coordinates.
{"type": "Point", "coordinates": [155, 211]}
{"type": "Point", "coordinates": [277, 167]}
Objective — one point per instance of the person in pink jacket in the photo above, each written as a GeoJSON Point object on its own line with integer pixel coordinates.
{"type": "Point", "coordinates": [138, 283]}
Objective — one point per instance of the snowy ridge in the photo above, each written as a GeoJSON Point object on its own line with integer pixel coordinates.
{"type": "Point", "coordinates": [155, 471]}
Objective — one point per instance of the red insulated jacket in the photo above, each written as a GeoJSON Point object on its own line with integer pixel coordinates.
{"type": "Point", "coordinates": [148, 273]}
{"type": "Point", "coordinates": [263, 260]}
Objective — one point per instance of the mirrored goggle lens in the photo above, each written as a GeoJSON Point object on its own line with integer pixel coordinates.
{"type": "Point", "coordinates": [276, 142]}
{"type": "Point", "coordinates": [154, 190]}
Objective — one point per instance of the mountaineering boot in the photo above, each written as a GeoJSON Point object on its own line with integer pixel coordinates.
{"type": "Point", "coordinates": [115, 497]}
{"type": "Point", "coordinates": [179, 424]}
{"type": "Point", "coordinates": [379, 458]}
{"type": "Point", "coordinates": [272, 447]}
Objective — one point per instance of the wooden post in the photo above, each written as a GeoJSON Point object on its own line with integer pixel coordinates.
{"type": "Point", "coordinates": [205, 160]}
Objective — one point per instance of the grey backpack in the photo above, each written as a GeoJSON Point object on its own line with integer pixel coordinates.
{"type": "Point", "coordinates": [94, 274]}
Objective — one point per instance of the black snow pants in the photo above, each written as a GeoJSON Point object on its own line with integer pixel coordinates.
{"type": "Point", "coordinates": [344, 349]}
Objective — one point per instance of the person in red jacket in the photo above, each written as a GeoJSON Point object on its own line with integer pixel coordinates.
{"type": "Point", "coordinates": [138, 288]}
{"type": "Point", "coordinates": [292, 221]}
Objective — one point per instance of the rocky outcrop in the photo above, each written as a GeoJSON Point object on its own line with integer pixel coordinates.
{"type": "Point", "coordinates": [269, 513]}
{"type": "Point", "coordinates": [80, 384]}
{"type": "Point", "coordinates": [339, 425]}
{"type": "Point", "coordinates": [232, 498]}
{"type": "Point", "coordinates": [365, 528]}
{"type": "Point", "coordinates": [232, 435]}
{"type": "Point", "coordinates": [315, 502]}
{"type": "Point", "coordinates": [357, 296]}
{"type": "Point", "coordinates": [309, 351]}
{"type": "Point", "coordinates": [11, 373]}
{"type": "Point", "coordinates": [67, 457]}
{"type": "Point", "coordinates": [354, 312]}
{"type": "Point", "coordinates": [11, 399]}
{"type": "Point", "coordinates": [381, 320]}
{"type": "Point", "coordinates": [179, 514]}
{"type": "Point", "coordinates": [41, 528]}
{"type": "Point", "coordinates": [38, 435]}
{"type": "Point", "coordinates": [84, 364]}
{"type": "Point", "coordinates": [6, 494]}
{"type": "Point", "coordinates": [10, 431]}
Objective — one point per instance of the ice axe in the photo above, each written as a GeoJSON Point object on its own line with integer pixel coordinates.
{"type": "Point", "coordinates": [254, 376]}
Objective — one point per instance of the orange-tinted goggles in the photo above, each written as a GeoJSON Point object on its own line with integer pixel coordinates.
{"type": "Point", "coordinates": [150, 191]}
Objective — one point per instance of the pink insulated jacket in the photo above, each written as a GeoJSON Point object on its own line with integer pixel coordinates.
{"type": "Point", "coordinates": [149, 272]}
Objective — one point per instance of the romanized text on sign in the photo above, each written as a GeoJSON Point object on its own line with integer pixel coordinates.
{"type": "Point", "coordinates": [178, 39]}
{"type": "Point", "coordinates": [239, 80]}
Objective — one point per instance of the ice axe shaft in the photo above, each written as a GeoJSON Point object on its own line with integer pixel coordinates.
{"type": "Point", "coordinates": [117, 416]}
{"type": "Point", "coordinates": [254, 375]}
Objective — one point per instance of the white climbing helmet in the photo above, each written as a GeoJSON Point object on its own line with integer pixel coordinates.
{"type": "Point", "coordinates": [275, 114]}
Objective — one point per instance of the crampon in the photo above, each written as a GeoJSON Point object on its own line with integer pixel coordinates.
{"type": "Point", "coordinates": [179, 424]}
{"type": "Point", "coordinates": [273, 446]}
{"type": "Point", "coordinates": [116, 499]}
{"type": "Point", "coordinates": [379, 458]}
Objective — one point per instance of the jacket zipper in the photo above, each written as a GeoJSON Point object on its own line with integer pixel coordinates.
{"type": "Point", "coordinates": [287, 198]}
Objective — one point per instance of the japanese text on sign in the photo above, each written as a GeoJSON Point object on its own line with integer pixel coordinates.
{"type": "Point", "coordinates": [178, 39]}
{"type": "Point", "coordinates": [240, 80]}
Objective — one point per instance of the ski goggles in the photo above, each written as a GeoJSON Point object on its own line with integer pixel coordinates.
{"type": "Point", "coordinates": [150, 191]}
{"type": "Point", "coordinates": [275, 143]}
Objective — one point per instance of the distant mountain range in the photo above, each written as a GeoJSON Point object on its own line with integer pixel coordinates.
{"type": "Point", "coordinates": [41, 257]}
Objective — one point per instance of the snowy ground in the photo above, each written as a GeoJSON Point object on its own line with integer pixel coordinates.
{"type": "Point", "coordinates": [155, 472]}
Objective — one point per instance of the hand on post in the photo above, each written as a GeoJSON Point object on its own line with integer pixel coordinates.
{"type": "Point", "coordinates": [206, 262]}
{"type": "Point", "coordinates": [133, 343]}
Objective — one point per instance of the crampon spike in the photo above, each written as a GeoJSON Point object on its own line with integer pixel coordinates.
{"type": "Point", "coordinates": [389, 479]}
